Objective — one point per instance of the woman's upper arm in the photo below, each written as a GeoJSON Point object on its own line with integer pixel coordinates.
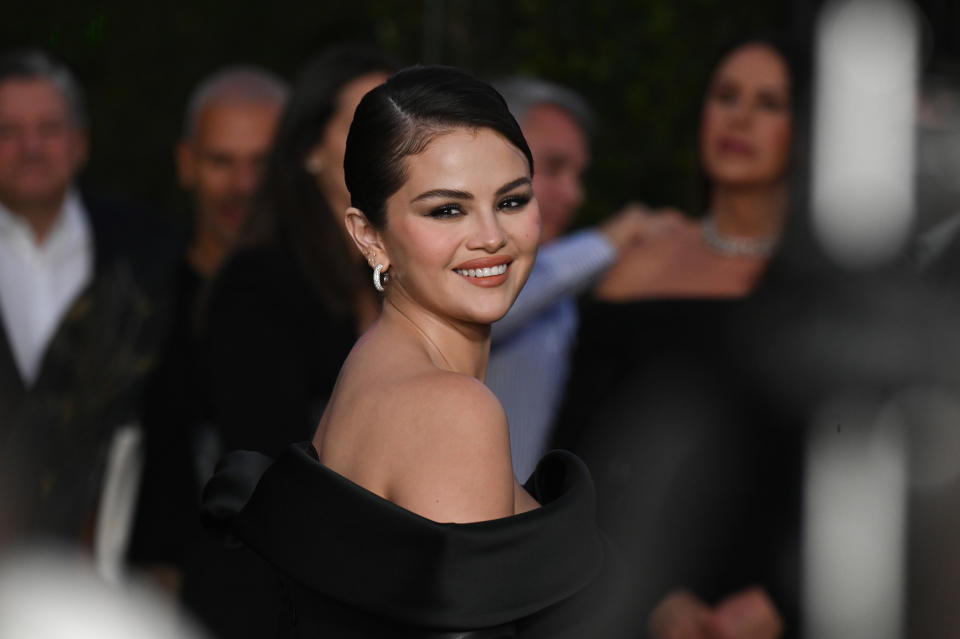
{"type": "Point", "coordinates": [456, 466]}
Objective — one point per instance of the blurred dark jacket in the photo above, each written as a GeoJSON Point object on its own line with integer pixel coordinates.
{"type": "Point", "coordinates": [54, 435]}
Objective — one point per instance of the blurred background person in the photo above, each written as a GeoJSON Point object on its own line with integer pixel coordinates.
{"type": "Point", "coordinates": [532, 344]}
{"type": "Point", "coordinates": [290, 303]}
{"type": "Point", "coordinates": [228, 128]}
{"type": "Point", "coordinates": [698, 476]}
{"type": "Point", "coordinates": [745, 150]}
{"type": "Point", "coordinates": [82, 293]}
{"type": "Point", "coordinates": [281, 316]}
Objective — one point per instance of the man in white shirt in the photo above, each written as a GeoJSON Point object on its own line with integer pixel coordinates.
{"type": "Point", "coordinates": [45, 242]}
{"type": "Point", "coordinates": [75, 312]}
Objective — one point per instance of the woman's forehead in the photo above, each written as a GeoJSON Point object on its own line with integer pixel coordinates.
{"type": "Point", "coordinates": [755, 61]}
{"type": "Point", "coordinates": [475, 157]}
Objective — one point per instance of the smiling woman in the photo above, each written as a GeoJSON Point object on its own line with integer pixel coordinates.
{"type": "Point", "coordinates": [407, 497]}
{"type": "Point", "coordinates": [467, 205]}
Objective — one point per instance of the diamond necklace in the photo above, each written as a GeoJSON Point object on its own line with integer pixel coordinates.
{"type": "Point", "coordinates": [736, 246]}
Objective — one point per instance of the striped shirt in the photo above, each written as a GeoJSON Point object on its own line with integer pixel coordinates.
{"type": "Point", "coordinates": [530, 354]}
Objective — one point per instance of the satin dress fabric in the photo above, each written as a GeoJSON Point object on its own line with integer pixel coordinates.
{"type": "Point", "coordinates": [353, 564]}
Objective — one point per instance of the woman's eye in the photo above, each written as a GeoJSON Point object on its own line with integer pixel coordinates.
{"type": "Point", "coordinates": [446, 211]}
{"type": "Point", "coordinates": [772, 103]}
{"type": "Point", "coordinates": [726, 95]}
{"type": "Point", "coordinates": [514, 202]}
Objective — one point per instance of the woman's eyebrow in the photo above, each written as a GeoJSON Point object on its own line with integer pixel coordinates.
{"type": "Point", "coordinates": [512, 185]}
{"type": "Point", "coordinates": [778, 91]}
{"type": "Point", "coordinates": [455, 194]}
{"type": "Point", "coordinates": [444, 193]}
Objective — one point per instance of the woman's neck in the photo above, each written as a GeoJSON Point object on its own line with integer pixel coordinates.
{"type": "Point", "coordinates": [455, 346]}
{"type": "Point", "coordinates": [749, 212]}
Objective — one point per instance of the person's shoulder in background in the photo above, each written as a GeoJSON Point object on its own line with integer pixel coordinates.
{"type": "Point", "coordinates": [150, 242]}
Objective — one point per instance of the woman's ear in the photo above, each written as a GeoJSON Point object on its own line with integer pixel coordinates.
{"type": "Point", "coordinates": [367, 238]}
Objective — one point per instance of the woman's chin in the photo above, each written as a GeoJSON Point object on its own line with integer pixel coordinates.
{"type": "Point", "coordinates": [745, 177]}
{"type": "Point", "coordinates": [487, 315]}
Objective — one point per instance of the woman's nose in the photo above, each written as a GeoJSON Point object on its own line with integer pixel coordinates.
{"type": "Point", "coordinates": [740, 113]}
{"type": "Point", "coordinates": [487, 234]}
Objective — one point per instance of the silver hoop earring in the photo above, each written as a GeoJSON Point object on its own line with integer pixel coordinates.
{"type": "Point", "coordinates": [377, 282]}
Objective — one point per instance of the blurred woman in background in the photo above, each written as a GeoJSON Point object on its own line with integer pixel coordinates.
{"type": "Point", "coordinates": [697, 474]}
{"type": "Point", "coordinates": [746, 137]}
{"type": "Point", "coordinates": [281, 317]}
{"type": "Point", "coordinates": [289, 304]}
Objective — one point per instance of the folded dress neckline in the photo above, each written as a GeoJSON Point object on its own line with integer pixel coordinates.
{"type": "Point", "coordinates": [342, 541]}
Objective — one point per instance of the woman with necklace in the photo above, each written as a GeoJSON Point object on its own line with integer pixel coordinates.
{"type": "Point", "coordinates": [696, 472]}
{"type": "Point", "coordinates": [746, 133]}
{"type": "Point", "coordinates": [403, 516]}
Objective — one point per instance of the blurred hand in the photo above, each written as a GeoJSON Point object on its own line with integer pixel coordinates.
{"type": "Point", "coordinates": [749, 614]}
{"type": "Point", "coordinates": [636, 223]}
{"type": "Point", "coordinates": [168, 578]}
{"type": "Point", "coordinates": [681, 615]}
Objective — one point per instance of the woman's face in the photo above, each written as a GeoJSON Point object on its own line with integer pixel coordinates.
{"type": "Point", "coordinates": [462, 232]}
{"type": "Point", "coordinates": [745, 133]}
{"type": "Point", "coordinates": [327, 155]}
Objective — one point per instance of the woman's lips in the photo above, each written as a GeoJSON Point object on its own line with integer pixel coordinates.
{"type": "Point", "coordinates": [735, 146]}
{"type": "Point", "coordinates": [485, 272]}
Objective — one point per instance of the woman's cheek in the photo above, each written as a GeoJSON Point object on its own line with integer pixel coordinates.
{"type": "Point", "coordinates": [780, 138]}
{"type": "Point", "coordinates": [532, 234]}
{"type": "Point", "coordinates": [709, 124]}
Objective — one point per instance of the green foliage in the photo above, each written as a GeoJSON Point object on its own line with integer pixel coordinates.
{"type": "Point", "coordinates": [642, 64]}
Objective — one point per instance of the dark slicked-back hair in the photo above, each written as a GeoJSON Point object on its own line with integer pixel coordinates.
{"type": "Point", "coordinates": [400, 118]}
{"type": "Point", "coordinates": [34, 64]}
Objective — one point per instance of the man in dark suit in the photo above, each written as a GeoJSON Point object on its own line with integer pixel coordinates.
{"type": "Point", "coordinates": [81, 305]}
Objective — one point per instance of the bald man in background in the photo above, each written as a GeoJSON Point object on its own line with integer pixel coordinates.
{"type": "Point", "coordinates": [229, 125]}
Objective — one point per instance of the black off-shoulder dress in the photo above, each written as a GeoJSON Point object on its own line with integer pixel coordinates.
{"type": "Point", "coordinates": [353, 564]}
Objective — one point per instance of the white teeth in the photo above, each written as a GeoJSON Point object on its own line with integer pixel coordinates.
{"type": "Point", "coordinates": [483, 272]}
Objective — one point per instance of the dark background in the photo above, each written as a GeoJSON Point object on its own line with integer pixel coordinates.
{"type": "Point", "coordinates": [642, 64]}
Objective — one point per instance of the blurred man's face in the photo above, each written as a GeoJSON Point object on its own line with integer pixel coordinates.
{"type": "Point", "coordinates": [223, 163]}
{"type": "Point", "coordinates": [560, 157]}
{"type": "Point", "coordinates": [41, 148]}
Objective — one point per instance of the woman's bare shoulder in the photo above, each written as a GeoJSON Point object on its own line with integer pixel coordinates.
{"type": "Point", "coordinates": [452, 448]}
{"type": "Point", "coordinates": [445, 408]}
{"type": "Point", "coordinates": [451, 391]}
